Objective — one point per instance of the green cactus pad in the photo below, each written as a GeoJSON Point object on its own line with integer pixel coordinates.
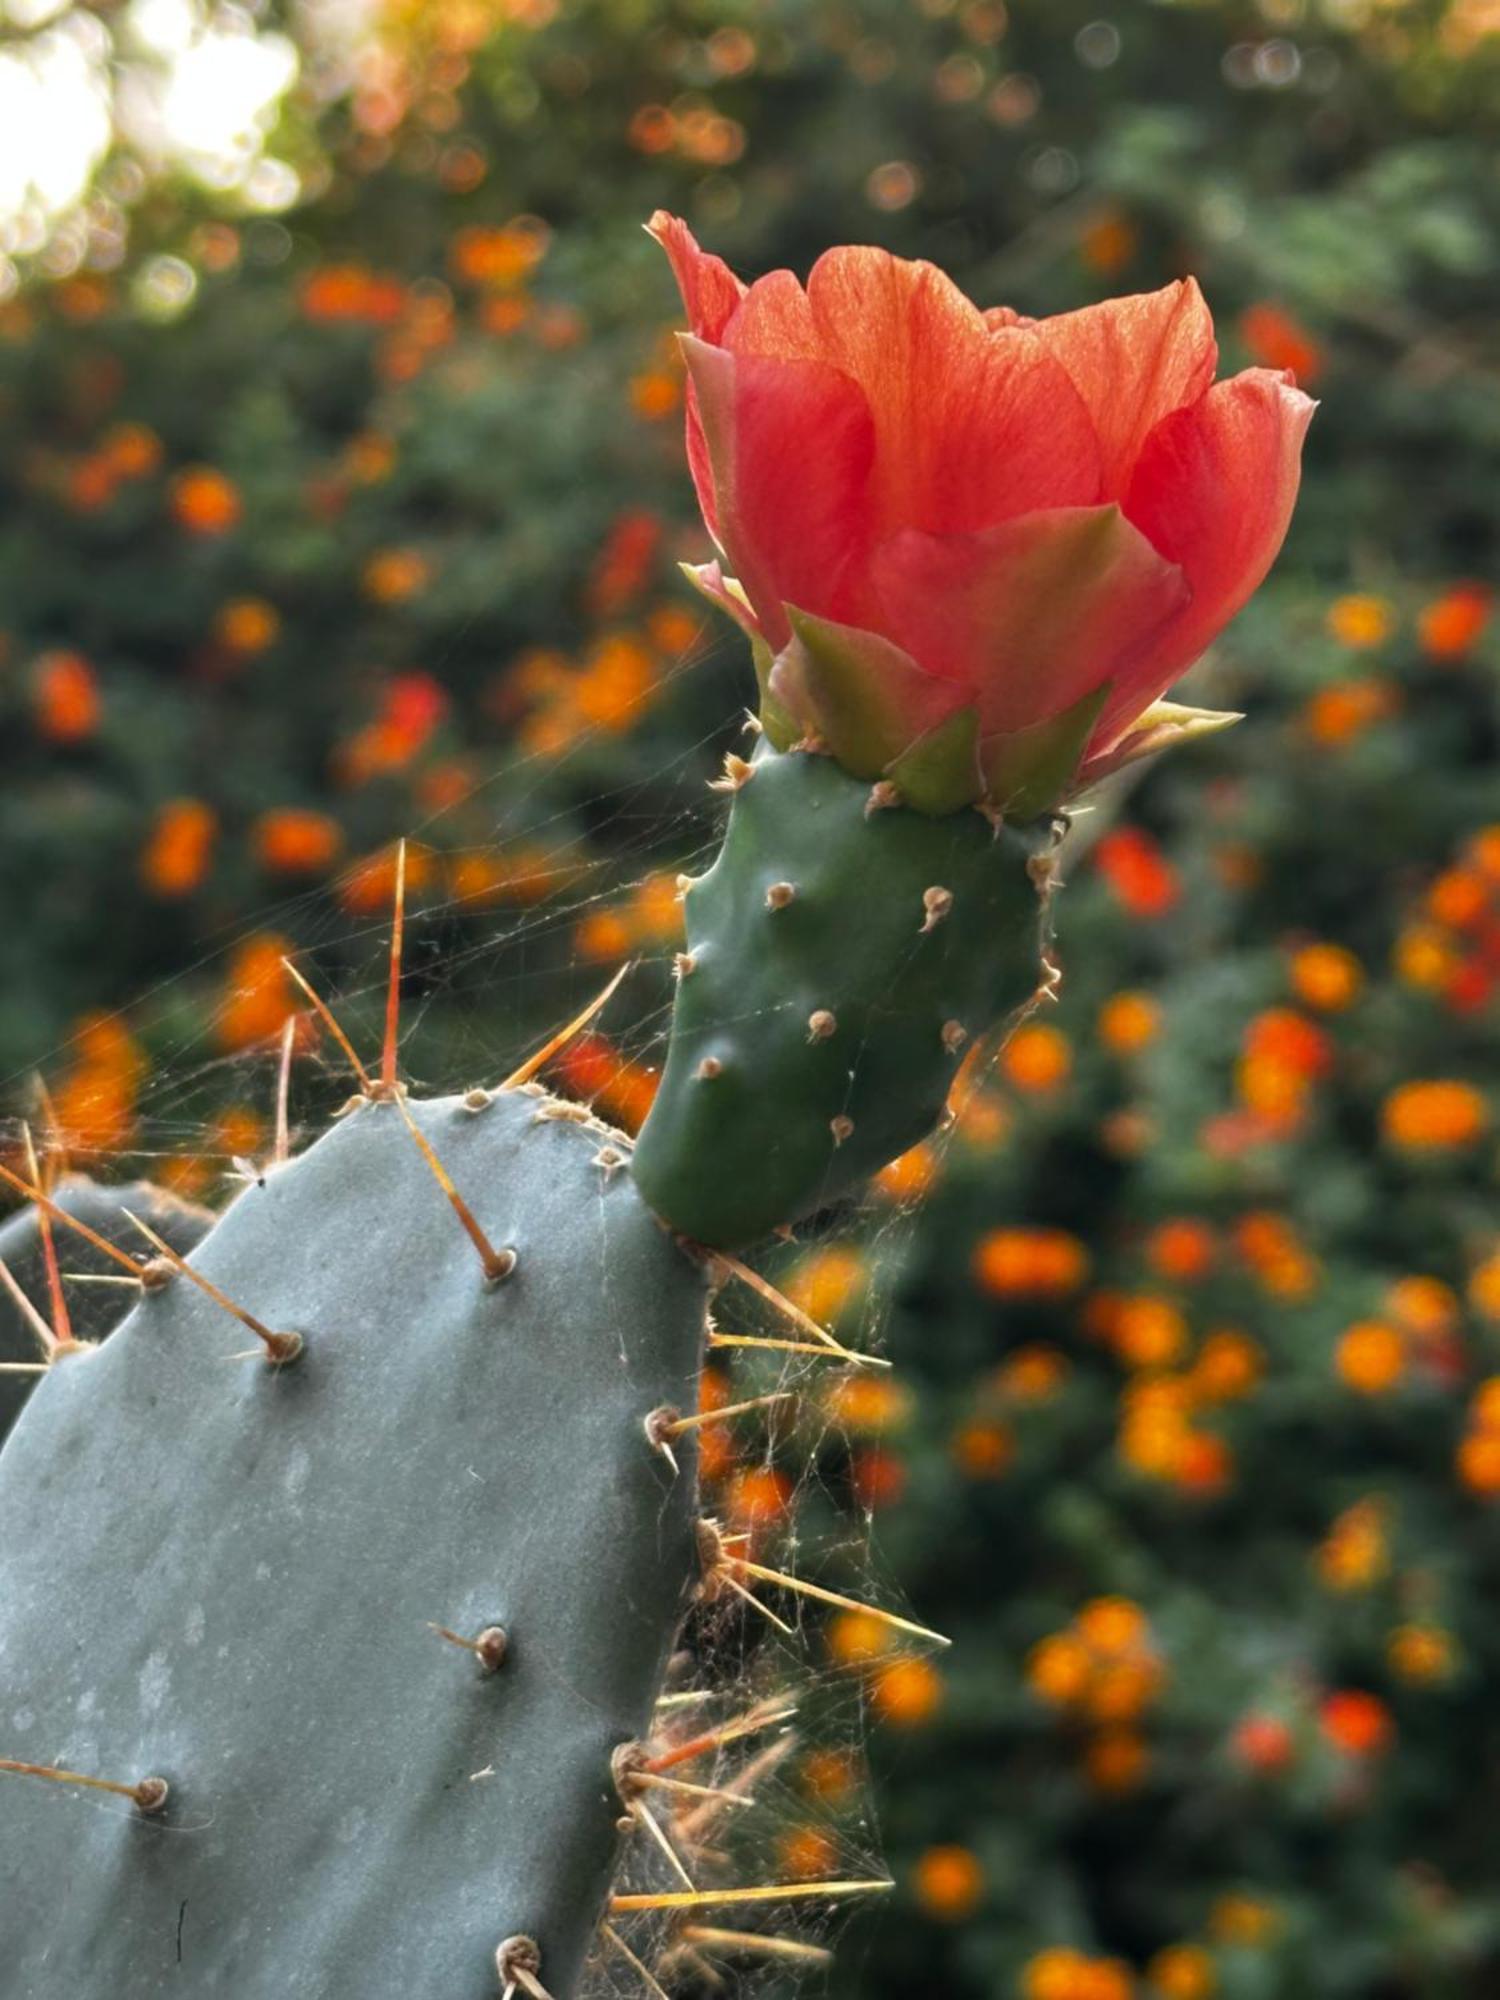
{"type": "Point", "coordinates": [225, 1574]}
{"type": "Point", "coordinates": [841, 957]}
{"type": "Point", "coordinates": [93, 1309]}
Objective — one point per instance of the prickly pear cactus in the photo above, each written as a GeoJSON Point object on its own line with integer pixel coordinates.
{"type": "Point", "coordinates": [93, 1309]}
{"type": "Point", "coordinates": [224, 1571]}
{"type": "Point", "coordinates": [842, 953]}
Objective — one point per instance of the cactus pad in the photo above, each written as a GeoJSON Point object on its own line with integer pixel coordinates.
{"type": "Point", "coordinates": [842, 953]}
{"type": "Point", "coordinates": [226, 1574]}
{"type": "Point", "coordinates": [94, 1309]}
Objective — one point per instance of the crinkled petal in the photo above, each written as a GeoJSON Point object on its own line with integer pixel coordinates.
{"type": "Point", "coordinates": [1134, 361]}
{"type": "Point", "coordinates": [972, 426]}
{"type": "Point", "coordinates": [710, 293]}
{"type": "Point", "coordinates": [774, 320]}
{"type": "Point", "coordinates": [1032, 615]}
{"type": "Point", "coordinates": [1214, 492]}
{"type": "Point", "coordinates": [788, 448]}
{"type": "Point", "coordinates": [710, 290]}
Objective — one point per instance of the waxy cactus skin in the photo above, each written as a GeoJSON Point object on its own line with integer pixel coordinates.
{"type": "Point", "coordinates": [226, 1575]}
{"type": "Point", "coordinates": [843, 952]}
{"type": "Point", "coordinates": [93, 1309]}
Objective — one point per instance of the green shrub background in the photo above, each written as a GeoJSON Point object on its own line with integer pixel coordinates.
{"type": "Point", "coordinates": [1200, 1301]}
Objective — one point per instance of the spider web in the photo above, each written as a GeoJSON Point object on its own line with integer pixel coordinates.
{"type": "Point", "coordinates": [480, 990]}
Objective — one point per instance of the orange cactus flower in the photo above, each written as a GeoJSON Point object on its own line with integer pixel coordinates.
{"type": "Point", "coordinates": [1357, 1723]}
{"type": "Point", "coordinates": [758, 1498]}
{"type": "Point", "coordinates": [1276, 340]}
{"type": "Point", "coordinates": [807, 1854]}
{"type": "Point", "coordinates": [180, 848]}
{"type": "Point", "coordinates": [1434, 1116]}
{"type": "Point", "coordinates": [1116, 1760]}
{"type": "Point", "coordinates": [1184, 1972]}
{"type": "Point", "coordinates": [1037, 1059]}
{"type": "Point", "coordinates": [1059, 1669]}
{"type": "Point", "coordinates": [369, 887]}
{"type": "Point", "coordinates": [1370, 1357]}
{"type": "Point", "coordinates": [1478, 1463]}
{"type": "Point", "coordinates": [1084, 470]}
{"type": "Point", "coordinates": [391, 576]}
{"type": "Point", "coordinates": [1344, 710]}
{"type": "Point", "coordinates": [294, 840]}
{"type": "Point", "coordinates": [984, 1450]}
{"type": "Point", "coordinates": [1243, 1920]}
{"type": "Point", "coordinates": [205, 502]}
{"type": "Point", "coordinates": [1454, 623]}
{"type": "Point", "coordinates": [827, 1281]}
{"type": "Point", "coordinates": [1129, 1022]}
{"type": "Point", "coordinates": [258, 993]}
{"type": "Point", "coordinates": [1263, 1743]}
{"type": "Point", "coordinates": [1017, 1263]}
{"type": "Point", "coordinates": [1421, 1655]}
{"type": "Point", "coordinates": [1032, 1374]}
{"type": "Point", "coordinates": [1288, 1039]}
{"type": "Point", "coordinates": [907, 1693]}
{"type": "Point", "coordinates": [831, 1775]}
{"type": "Point", "coordinates": [1148, 1331]}
{"type": "Point", "coordinates": [1327, 977]}
{"type": "Point", "coordinates": [948, 1884]}
{"type": "Point", "coordinates": [247, 625]}
{"type": "Point", "coordinates": [1359, 622]}
{"type": "Point", "coordinates": [65, 697]}
{"type": "Point", "coordinates": [866, 1404]}
{"type": "Point", "coordinates": [1108, 241]}
{"type": "Point", "coordinates": [854, 1638]}
{"type": "Point", "coordinates": [1228, 1366]}
{"type": "Point", "coordinates": [132, 451]}
{"type": "Point", "coordinates": [877, 1477]}
{"type": "Point", "coordinates": [1135, 868]}
{"type": "Point", "coordinates": [1182, 1249]}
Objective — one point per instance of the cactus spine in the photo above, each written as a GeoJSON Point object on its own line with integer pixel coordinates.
{"type": "Point", "coordinates": [93, 1309]}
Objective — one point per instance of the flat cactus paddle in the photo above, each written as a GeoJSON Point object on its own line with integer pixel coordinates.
{"type": "Point", "coordinates": [375, 1584]}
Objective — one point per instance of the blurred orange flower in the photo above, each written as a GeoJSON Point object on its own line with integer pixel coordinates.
{"type": "Point", "coordinates": [65, 697]}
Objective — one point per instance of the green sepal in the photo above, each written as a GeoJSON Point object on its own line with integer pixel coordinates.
{"type": "Point", "coordinates": [940, 772]}
{"type": "Point", "coordinates": [726, 594]}
{"type": "Point", "coordinates": [778, 723]}
{"type": "Point", "coordinates": [1029, 771]}
{"type": "Point", "coordinates": [867, 700]}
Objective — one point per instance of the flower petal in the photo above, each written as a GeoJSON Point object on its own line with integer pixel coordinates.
{"type": "Point", "coordinates": [788, 447]}
{"type": "Point", "coordinates": [711, 293]}
{"type": "Point", "coordinates": [1029, 616]}
{"type": "Point", "coordinates": [1163, 726]}
{"type": "Point", "coordinates": [710, 290]}
{"type": "Point", "coordinates": [973, 426]}
{"type": "Point", "coordinates": [1214, 491]}
{"type": "Point", "coordinates": [1134, 361]}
